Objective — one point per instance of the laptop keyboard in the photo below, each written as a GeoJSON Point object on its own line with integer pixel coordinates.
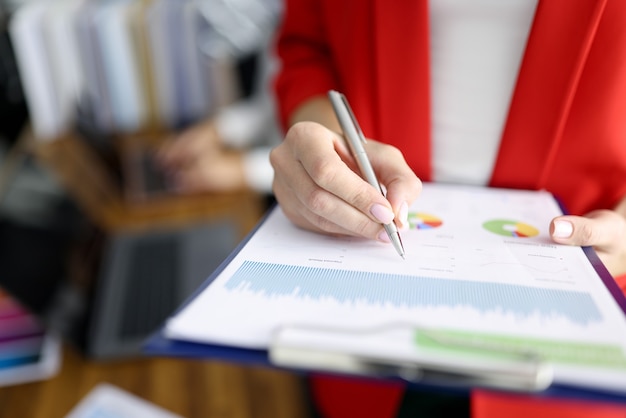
{"type": "Point", "coordinates": [145, 276]}
{"type": "Point", "coordinates": [151, 293]}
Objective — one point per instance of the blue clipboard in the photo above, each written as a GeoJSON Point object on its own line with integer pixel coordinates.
{"type": "Point", "coordinates": [160, 345]}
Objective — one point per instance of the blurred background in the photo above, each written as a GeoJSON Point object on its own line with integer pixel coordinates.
{"type": "Point", "coordinates": [134, 142]}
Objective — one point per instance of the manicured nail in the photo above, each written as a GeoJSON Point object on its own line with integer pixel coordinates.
{"type": "Point", "coordinates": [383, 214]}
{"type": "Point", "coordinates": [383, 236]}
{"type": "Point", "coordinates": [563, 229]}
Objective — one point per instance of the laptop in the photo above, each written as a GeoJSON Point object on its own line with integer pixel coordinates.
{"type": "Point", "coordinates": [145, 276]}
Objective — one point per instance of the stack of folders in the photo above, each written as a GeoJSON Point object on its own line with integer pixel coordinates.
{"type": "Point", "coordinates": [27, 351]}
{"type": "Point", "coordinates": [126, 65]}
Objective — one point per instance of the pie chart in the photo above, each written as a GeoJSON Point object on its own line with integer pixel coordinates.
{"type": "Point", "coordinates": [510, 228]}
{"type": "Point", "coordinates": [419, 220]}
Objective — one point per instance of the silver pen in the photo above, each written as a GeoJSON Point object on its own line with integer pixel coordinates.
{"type": "Point", "coordinates": [355, 138]}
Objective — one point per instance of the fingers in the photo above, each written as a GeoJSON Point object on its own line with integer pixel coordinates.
{"type": "Point", "coordinates": [401, 183]}
{"type": "Point", "coordinates": [298, 212]}
{"type": "Point", "coordinates": [318, 188]}
{"type": "Point", "coordinates": [304, 166]}
{"type": "Point", "coordinates": [602, 228]}
{"type": "Point", "coordinates": [221, 173]}
{"type": "Point", "coordinates": [181, 149]}
{"type": "Point", "coordinates": [198, 140]}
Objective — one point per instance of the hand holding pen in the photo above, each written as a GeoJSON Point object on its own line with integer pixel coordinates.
{"type": "Point", "coordinates": [356, 142]}
{"type": "Point", "coordinates": [320, 187]}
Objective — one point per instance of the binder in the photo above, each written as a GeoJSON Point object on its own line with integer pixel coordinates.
{"type": "Point", "coordinates": [97, 98]}
{"type": "Point", "coordinates": [160, 59]}
{"type": "Point", "coordinates": [443, 359]}
{"type": "Point", "coordinates": [120, 66]}
{"type": "Point", "coordinates": [27, 35]}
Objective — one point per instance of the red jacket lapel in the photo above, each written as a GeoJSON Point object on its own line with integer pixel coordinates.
{"type": "Point", "coordinates": [403, 78]}
{"type": "Point", "coordinates": [562, 33]}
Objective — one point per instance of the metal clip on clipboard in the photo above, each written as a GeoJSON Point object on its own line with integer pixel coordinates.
{"type": "Point", "coordinates": [366, 352]}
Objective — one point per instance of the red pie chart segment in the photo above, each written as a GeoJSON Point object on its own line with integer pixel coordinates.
{"type": "Point", "coordinates": [420, 220]}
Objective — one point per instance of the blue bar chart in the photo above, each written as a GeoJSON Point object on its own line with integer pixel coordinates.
{"type": "Point", "coordinates": [397, 290]}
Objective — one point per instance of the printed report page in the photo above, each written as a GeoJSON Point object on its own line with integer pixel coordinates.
{"type": "Point", "coordinates": [479, 265]}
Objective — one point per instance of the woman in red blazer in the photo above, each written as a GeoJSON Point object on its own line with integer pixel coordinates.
{"type": "Point", "coordinates": [565, 132]}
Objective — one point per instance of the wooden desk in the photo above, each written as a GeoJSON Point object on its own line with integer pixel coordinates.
{"type": "Point", "coordinates": [91, 184]}
{"type": "Point", "coordinates": [191, 388]}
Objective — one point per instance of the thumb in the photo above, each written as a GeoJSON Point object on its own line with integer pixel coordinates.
{"type": "Point", "coordinates": [597, 228]}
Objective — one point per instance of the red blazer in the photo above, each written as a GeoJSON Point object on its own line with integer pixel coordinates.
{"type": "Point", "coordinates": [566, 127]}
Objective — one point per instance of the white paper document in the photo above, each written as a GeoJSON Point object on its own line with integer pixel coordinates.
{"type": "Point", "coordinates": [480, 266]}
{"type": "Point", "coordinates": [109, 401]}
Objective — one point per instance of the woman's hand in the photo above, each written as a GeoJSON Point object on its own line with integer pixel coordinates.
{"type": "Point", "coordinates": [319, 188]}
{"type": "Point", "coordinates": [604, 230]}
{"type": "Point", "coordinates": [197, 161]}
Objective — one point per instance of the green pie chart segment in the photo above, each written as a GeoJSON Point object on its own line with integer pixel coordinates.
{"type": "Point", "coordinates": [510, 228]}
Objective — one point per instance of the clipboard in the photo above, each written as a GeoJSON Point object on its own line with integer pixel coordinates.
{"type": "Point", "coordinates": [512, 370]}
{"type": "Point", "coordinates": [463, 366]}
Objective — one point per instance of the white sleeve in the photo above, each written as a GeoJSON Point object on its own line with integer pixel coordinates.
{"type": "Point", "coordinates": [258, 170]}
{"type": "Point", "coordinates": [240, 125]}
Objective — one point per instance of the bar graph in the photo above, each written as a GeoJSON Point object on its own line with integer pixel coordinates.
{"type": "Point", "coordinates": [351, 286]}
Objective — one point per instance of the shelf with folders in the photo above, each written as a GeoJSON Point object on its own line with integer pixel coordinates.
{"type": "Point", "coordinates": [119, 66]}
{"type": "Point", "coordinates": [109, 78]}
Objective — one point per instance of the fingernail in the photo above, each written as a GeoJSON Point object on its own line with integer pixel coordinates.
{"type": "Point", "coordinates": [563, 229]}
{"type": "Point", "coordinates": [404, 215]}
{"type": "Point", "coordinates": [383, 214]}
{"type": "Point", "coordinates": [383, 236]}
